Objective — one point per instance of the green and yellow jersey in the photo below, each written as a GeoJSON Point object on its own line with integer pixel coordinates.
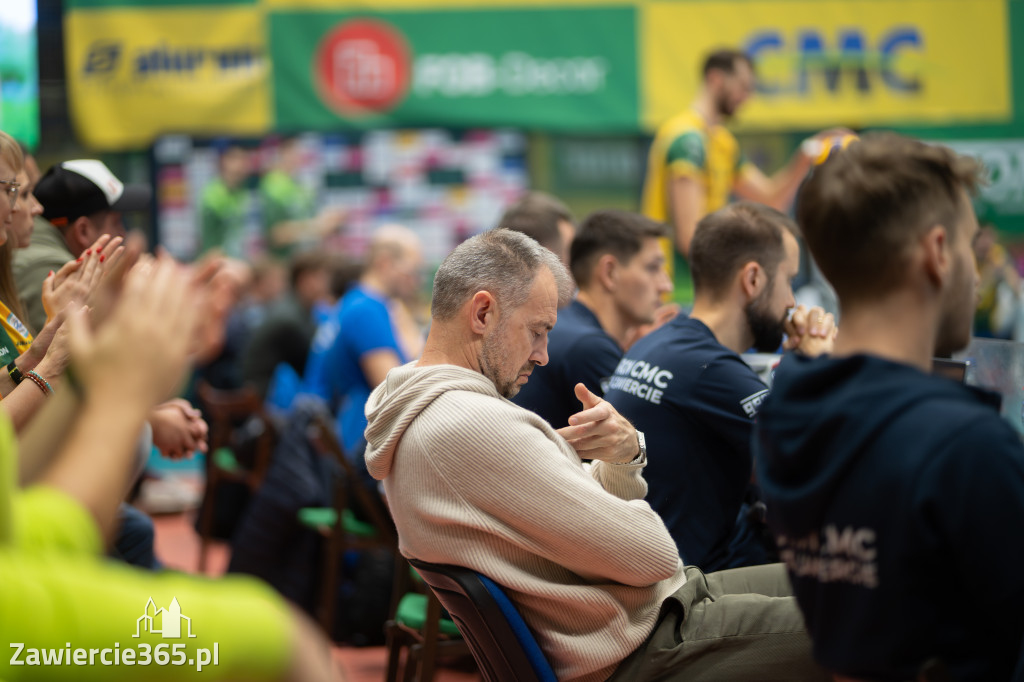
{"type": "Point", "coordinates": [686, 146]}
{"type": "Point", "coordinates": [283, 199]}
{"type": "Point", "coordinates": [15, 338]}
{"type": "Point", "coordinates": [222, 218]}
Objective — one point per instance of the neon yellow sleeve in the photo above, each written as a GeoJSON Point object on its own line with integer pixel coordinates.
{"type": "Point", "coordinates": [56, 604]}
{"type": "Point", "coordinates": [56, 599]}
{"type": "Point", "coordinates": [46, 518]}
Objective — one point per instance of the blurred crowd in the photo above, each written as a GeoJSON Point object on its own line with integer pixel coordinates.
{"type": "Point", "coordinates": [583, 411]}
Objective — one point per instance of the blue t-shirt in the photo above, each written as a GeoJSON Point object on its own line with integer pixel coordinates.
{"type": "Point", "coordinates": [364, 326]}
{"type": "Point", "coordinates": [579, 350]}
{"type": "Point", "coordinates": [314, 377]}
{"type": "Point", "coordinates": [896, 498]}
{"type": "Point", "coordinates": [695, 400]}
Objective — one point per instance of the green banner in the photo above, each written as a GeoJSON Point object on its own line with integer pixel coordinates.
{"type": "Point", "coordinates": [560, 69]}
{"type": "Point", "coordinates": [114, 4]}
{"type": "Point", "coordinates": [1001, 199]}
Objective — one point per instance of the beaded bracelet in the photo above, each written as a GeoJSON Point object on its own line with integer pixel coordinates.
{"type": "Point", "coordinates": [39, 381]}
{"type": "Point", "coordinates": [16, 376]}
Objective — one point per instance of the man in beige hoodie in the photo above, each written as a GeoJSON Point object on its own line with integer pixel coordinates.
{"type": "Point", "coordinates": [476, 481]}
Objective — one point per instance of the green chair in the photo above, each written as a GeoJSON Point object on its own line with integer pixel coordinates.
{"type": "Point", "coordinates": [419, 628]}
{"type": "Point", "coordinates": [339, 526]}
{"type": "Point", "coordinates": [415, 625]}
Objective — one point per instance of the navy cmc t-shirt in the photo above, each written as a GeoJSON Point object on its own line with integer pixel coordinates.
{"type": "Point", "coordinates": [896, 498]}
{"type": "Point", "coordinates": [695, 400]}
{"type": "Point", "coordinates": [579, 350]}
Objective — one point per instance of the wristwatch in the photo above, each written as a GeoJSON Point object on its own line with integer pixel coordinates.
{"type": "Point", "coordinates": [641, 456]}
{"type": "Point", "coordinates": [16, 376]}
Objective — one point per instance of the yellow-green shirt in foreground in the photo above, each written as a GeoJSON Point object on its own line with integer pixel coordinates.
{"type": "Point", "coordinates": [59, 595]}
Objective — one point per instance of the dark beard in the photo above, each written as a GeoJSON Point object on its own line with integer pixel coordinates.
{"type": "Point", "coordinates": [767, 330]}
{"type": "Point", "coordinates": [725, 112]}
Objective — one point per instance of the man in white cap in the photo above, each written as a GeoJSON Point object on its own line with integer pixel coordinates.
{"type": "Point", "coordinates": [82, 200]}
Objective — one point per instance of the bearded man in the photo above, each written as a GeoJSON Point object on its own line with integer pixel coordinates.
{"type": "Point", "coordinates": [695, 165]}
{"type": "Point", "coordinates": [687, 388]}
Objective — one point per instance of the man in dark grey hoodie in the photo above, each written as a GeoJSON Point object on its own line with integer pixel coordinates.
{"type": "Point", "coordinates": [890, 490]}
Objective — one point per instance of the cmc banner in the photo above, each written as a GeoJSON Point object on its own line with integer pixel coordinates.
{"type": "Point", "coordinates": [139, 68]}
{"type": "Point", "coordinates": [854, 63]}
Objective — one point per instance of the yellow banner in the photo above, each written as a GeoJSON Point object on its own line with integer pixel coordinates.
{"type": "Point", "coordinates": [135, 73]}
{"type": "Point", "coordinates": [854, 63]}
{"type": "Point", "coordinates": [398, 5]}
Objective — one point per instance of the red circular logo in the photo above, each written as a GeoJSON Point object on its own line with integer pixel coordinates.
{"type": "Point", "coordinates": [362, 67]}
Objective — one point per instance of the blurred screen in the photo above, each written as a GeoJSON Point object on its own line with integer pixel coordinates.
{"type": "Point", "coordinates": [998, 366]}
{"type": "Point", "coordinates": [19, 71]}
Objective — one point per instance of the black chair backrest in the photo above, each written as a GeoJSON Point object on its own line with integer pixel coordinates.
{"type": "Point", "coordinates": [482, 622]}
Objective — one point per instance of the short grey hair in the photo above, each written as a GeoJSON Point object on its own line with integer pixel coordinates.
{"type": "Point", "coordinates": [502, 262]}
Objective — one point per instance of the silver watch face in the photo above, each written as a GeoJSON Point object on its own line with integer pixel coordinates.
{"type": "Point", "coordinates": [642, 441]}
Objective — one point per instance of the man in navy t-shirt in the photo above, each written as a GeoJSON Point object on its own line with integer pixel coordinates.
{"type": "Point", "coordinates": [543, 218]}
{"type": "Point", "coordinates": [687, 388]}
{"type": "Point", "coordinates": [619, 267]}
{"type": "Point", "coordinates": [895, 494]}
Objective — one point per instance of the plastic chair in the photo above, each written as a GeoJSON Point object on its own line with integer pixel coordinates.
{"type": "Point", "coordinates": [503, 646]}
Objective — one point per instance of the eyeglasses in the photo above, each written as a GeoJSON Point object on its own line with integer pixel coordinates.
{"type": "Point", "coordinates": [11, 191]}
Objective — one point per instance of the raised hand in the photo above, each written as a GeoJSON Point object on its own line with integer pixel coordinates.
{"type": "Point", "coordinates": [41, 342]}
{"type": "Point", "coordinates": [599, 431]}
{"type": "Point", "coordinates": [140, 351]}
{"type": "Point", "coordinates": [77, 280]}
{"type": "Point", "coordinates": [58, 351]}
{"type": "Point", "coordinates": [116, 265]}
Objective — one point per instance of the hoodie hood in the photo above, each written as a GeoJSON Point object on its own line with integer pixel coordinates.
{"type": "Point", "coordinates": [407, 391]}
{"type": "Point", "coordinates": [822, 415]}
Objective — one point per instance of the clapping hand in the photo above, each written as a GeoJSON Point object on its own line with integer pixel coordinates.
{"type": "Point", "coordinates": [77, 280]}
